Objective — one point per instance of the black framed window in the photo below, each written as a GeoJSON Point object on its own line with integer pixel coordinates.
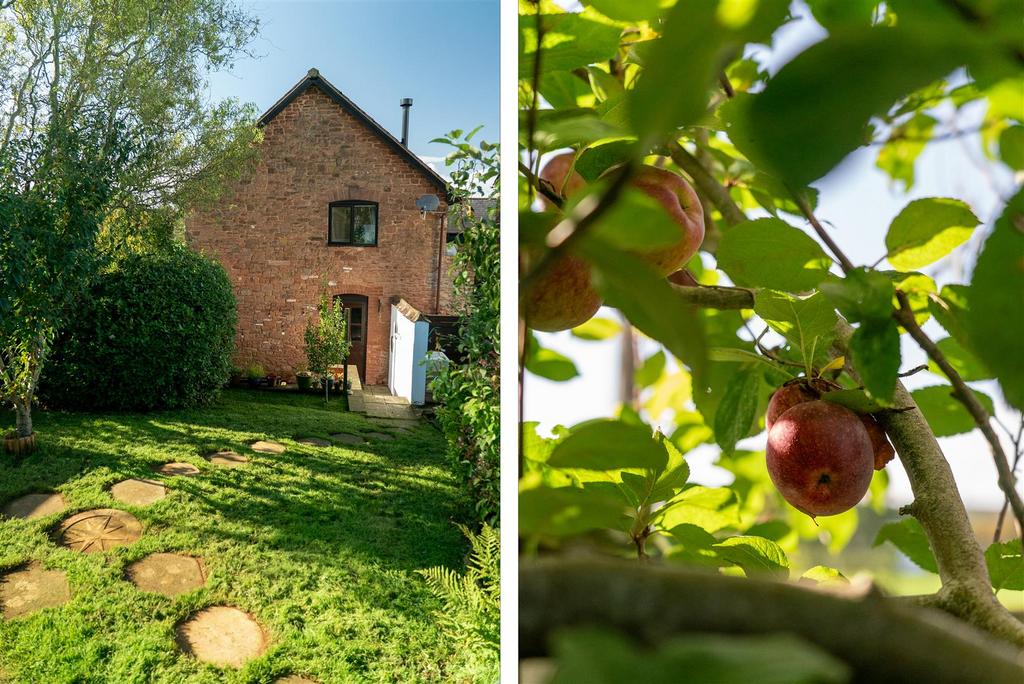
{"type": "Point", "coordinates": [352, 222]}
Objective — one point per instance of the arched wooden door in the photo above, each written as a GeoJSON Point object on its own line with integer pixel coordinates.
{"type": "Point", "coordinates": [355, 317]}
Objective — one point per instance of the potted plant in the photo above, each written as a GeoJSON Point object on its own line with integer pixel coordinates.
{"type": "Point", "coordinates": [304, 378]}
{"type": "Point", "coordinates": [255, 374]}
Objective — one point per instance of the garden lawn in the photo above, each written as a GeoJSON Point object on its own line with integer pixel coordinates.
{"type": "Point", "coordinates": [320, 545]}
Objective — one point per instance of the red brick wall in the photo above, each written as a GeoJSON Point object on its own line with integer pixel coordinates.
{"type": "Point", "coordinates": [270, 233]}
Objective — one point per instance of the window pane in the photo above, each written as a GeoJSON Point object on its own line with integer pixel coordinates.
{"type": "Point", "coordinates": [341, 224]}
{"type": "Point", "coordinates": [365, 230]}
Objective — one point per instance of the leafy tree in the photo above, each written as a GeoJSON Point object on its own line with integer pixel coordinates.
{"type": "Point", "coordinates": [771, 299]}
{"type": "Point", "coordinates": [469, 390]}
{"type": "Point", "coordinates": [326, 341]}
{"type": "Point", "coordinates": [103, 122]}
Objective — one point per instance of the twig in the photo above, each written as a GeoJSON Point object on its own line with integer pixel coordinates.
{"type": "Point", "coordinates": [914, 371]}
{"type": "Point", "coordinates": [723, 80]}
{"type": "Point", "coordinates": [963, 393]}
{"type": "Point", "coordinates": [805, 209]}
{"type": "Point", "coordinates": [1016, 461]}
{"type": "Point", "coordinates": [707, 184]}
{"type": "Point", "coordinates": [541, 185]}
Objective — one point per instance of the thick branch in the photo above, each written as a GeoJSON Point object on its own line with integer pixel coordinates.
{"type": "Point", "coordinates": [706, 184]}
{"type": "Point", "coordinates": [963, 393]}
{"type": "Point", "coordinates": [716, 297]}
{"type": "Point", "coordinates": [883, 640]}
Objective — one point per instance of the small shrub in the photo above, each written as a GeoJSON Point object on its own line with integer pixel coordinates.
{"type": "Point", "coordinates": [155, 330]}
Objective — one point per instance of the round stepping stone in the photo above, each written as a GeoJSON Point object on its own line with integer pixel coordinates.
{"type": "Point", "coordinates": [295, 679]}
{"type": "Point", "coordinates": [314, 441]}
{"type": "Point", "coordinates": [227, 458]}
{"type": "Point", "coordinates": [267, 447]}
{"type": "Point", "coordinates": [185, 469]}
{"type": "Point", "coordinates": [346, 438]}
{"type": "Point", "coordinates": [222, 636]}
{"type": "Point", "coordinates": [169, 574]}
{"type": "Point", "coordinates": [99, 530]}
{"type": "Point", "coordinates": [380, 436]}
{"type": "Point", "coordinates": [138, 492]}
{"type": "Point", "coordinates": [32, 588]}
{"type": "Point", "coordinates": [32, 506]}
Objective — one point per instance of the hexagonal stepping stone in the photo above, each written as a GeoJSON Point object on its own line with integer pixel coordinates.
{"type": "Point", "coordinates": [314, 441]}
{"type": "Point", "coordinates": [185, 469]}
{"type": "Point", "coordinates": [347, 438]}
{"type": "Point", "coordinates": [380, 436]}
{"type": "Point", "coordinates": [228, 459]}
{"type": "Point", "coordinates": [98, 530]}
{"type": "Point", "coordinates": [138, 492]}
{"type": "Point", "coordinates": [222, 636]}
{"type": "Point", "coordinates": [30, 588]}
{"type": "Point", "coordinates": [295, 679]}
{"type": "Point", "coordinates": [265, 447]}
{"type": "Point", "coordinates": [169, 574]}
{"type": "Point", "coordinates": [33, 506]}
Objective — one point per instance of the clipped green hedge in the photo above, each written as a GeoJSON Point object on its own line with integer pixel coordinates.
{"type": "Point", "coordinates": [156, 330]}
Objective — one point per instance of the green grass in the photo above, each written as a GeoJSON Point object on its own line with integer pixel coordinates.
{"type": "Point", "coordinates": [320, 545]}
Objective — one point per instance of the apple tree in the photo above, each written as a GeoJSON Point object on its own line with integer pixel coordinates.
{"type": "Point", "coordinates": [670, 168]}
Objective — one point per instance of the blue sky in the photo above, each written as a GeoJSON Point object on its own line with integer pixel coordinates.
{"type": "Point", "coordinates": [441, 53]}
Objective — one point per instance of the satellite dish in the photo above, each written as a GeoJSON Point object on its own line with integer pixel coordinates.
{"type": "Point", "coordinates": [427, 203]}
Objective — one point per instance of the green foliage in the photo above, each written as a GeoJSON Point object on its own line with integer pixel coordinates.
{"type": "Point", "coordinates": [469, 390]}
{"type": "Point", "coordinates": [945, 414]}
{"type": "Point", "coordinates": [908, 536]}
{"type": "Point", "coordinates": [472, 604]}
{"type": "Point", "coordinates": [798, 263]}
{"type": "Point", "coordinates": [326, 341]}
{"type": "Point", "coordinates": [155, 330]}
{"type": "Point", "coordinates": [1006, 565]}
{"type": "Point", "coordinates": [927, 230]}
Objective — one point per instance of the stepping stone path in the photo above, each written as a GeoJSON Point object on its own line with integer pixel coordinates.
{"type": "Point", "coordinates": [380, 436]}
{"type": "Point", "coordinates": [346, 438]}
{"type": "Point", "coordinates": [186, 469]}
{"type": "Point", "coordinates": [169, 574]}
{"type": "Point", "coordinates": [294, 679]}
{"type": "Point", "coordinates": [32, 506]}
{"type": "Point", "coordinates": [267, 447]}
{"type": "Point", "coordinates": [314, 441]}
{"type": "Point", "coordinates": [99, 530]}
{"type": "Point", "coordinates": [222, 636]}
{"type": "Point", "coordinates": [32, 588]}
{"type": "Point", "coordinates": [138, 492]}
{"type": "Point", "coordinates": [227, 458]}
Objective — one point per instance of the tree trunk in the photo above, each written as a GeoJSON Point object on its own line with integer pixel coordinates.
{"type": "Point", "coordinates": [24, 420]}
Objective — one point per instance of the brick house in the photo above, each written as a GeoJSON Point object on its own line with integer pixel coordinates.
{"type": "Point", "coordinates": [330, 206]}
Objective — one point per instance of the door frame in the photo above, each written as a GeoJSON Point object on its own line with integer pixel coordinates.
{"type": "Point", "coordinates": [347, 300]}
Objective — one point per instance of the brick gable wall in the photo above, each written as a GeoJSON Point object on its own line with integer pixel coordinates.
{"type": "Point", "coordinates": [270, 233]}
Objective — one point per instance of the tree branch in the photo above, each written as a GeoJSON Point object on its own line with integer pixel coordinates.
{"type": "Point", "coordinates": [716, 297]}
{"type": "Point", "coordinates": [541, 185]}
{"type": "Point", "coordinates": [805, 209]}
{"type": "Point", "coordinates": [965, 396]}
{"type": "Point", "coordinates": [883, 640]}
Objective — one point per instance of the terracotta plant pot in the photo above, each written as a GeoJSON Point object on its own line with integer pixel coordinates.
{"type": "Point", "coordinates": [19, 446]}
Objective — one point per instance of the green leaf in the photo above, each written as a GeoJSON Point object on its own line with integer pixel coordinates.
{"type": "Point", "coordinates": [558, 128]}
{"type": "Point", "coordinates": [601, 156]}
{"type": "Point", "coordinates": [875, 350]}
{"type": "Point", "coordinates": [927, 230]}
{"type": "Point", "coordinates": [569, 41]}
{"type": "Point", "coordinates": [907, 141]}
{"type": "Point", "coordinates": [755, 555]}
{"type": "Point", "coordinates": [549, 364]}
{"type": "Point", "coordinates": [738, 409]}
{"type": "Point", "coordinates": [862, 295]}
{"type": "Point", "coordinates": [628, 10]}
{"type": "Point", "coordinates": [788, 115]}
{"type": "Point", "coordinates": [856, 400]}
{"type": "Point", "coordinates": [1006, 565]}
{"type": "Point", "coordinates": [1011, 147]}
{"type": "Point", "coordinates": [637, 221]}
{"type": "Point", "coordinates": [597, 329]}
{"type": "Point", "coordinates": [908, 536]}
{"type": "Point", "coordinates": [609, 445]}
{"type": "Point", "coordinates": [944, 413]}
{"type": "Point", "coordinates": [950, 309]}
{"type": "Point", "coordinates": [650, 370]}
{"type": "Point", "coordinates": [963, 362]}
{"type": "Point", "coordinates": [650, 303]}
{"type": "Point", "coordinates": [807, 322]}
{"type": "Point", "coordinates": [563, 511]}
{"type": "Point", "coordinates": [708, 508]}
{"type": "Point", "coordinates": [797, 263]}
{"type": "Point", "coordinates": [993, 317]}
{"type": "Point", "coordinates": [822, 574]}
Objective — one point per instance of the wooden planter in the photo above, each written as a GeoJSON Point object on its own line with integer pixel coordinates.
{"type": "Point", "coordinates": [19, 446]}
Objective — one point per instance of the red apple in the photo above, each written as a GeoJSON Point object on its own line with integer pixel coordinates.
{"type": "Point", "coordinates": [879, 441]}
{"type": "Point", "coordinates": [820, 457]}
{"type": "Point", "coordinates": [561, 298]}
{"type": "Point", "coordinates": [682, 204]}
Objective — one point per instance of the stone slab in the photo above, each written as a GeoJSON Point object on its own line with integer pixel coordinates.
{"type": "Point", "coordinates": [380, 436]}
{"type": "Point", "coordinates": [169, 574]}
{"type": "Point", "coordinates": [30, 588]}
{"type": "Point", "coordinates": [265, 447]}
{"type": "Point", "coordinates": [99, 530]}
{"type": "Point", "coordinates": [184, 469]}
{"type": "Point", "coordinates": [347, 438]}
{"type": "Point", "coordinates": [295, 679]}
{"type": "Point", "coordinates": [138, 492]}
{"type": "Point", "coordinates": [32, 506]}
{"type": "Point", "coordinates": [314, 441]}
{"type": "Point", "coordinates": [222, 635]}
{"type": "Point", "coordinates": [228, 459]}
